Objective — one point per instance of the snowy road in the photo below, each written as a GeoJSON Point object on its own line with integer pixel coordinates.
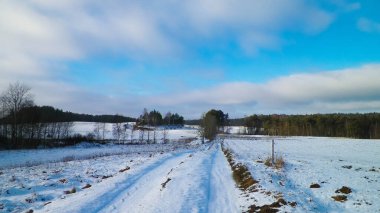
{"type": "Point", "coordinates": [197, 178]}
{"type": "Point", "coordinates": [188, 181]}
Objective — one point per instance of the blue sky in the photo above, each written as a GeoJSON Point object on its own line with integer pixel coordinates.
{"type": "Point", "coordinates": [244, 57]}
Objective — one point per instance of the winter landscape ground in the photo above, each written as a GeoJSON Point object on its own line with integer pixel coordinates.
{"type": "Point", "coordinates": [194, 177]}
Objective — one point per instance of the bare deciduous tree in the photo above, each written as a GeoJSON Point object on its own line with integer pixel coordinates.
{"type": "Point", "coordinates": [100, 130]}
{"type": "Point", "coordinates": [119, 131]}
{"type": "Point", "coordinates": [132, 132]}
{"type": "Point", "coordinates": [154, 135]}
{"type": "Point", "coordinates": [165, 133]}
{"type": "Point", "coordinates": [142, 135]}
{"type": "Point", "coordinates": [16, 97]}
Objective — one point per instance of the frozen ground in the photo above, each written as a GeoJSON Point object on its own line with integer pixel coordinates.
{"type": "Point", "coordinates": [330, 162]}
{"type": "Point", "coordinates": [179, 177]}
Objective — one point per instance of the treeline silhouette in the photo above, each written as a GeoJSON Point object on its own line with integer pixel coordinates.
{"type": "Point", "coordinates": [47, 114]}
{"type": "Point", "coordinates": [155, 118]}
{"type": "Point", "coordinates": [46, 126]}
{"type": "Point", "coordinates": [365, 126]}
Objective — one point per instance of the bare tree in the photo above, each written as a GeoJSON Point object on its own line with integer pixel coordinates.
{"type": "Point", "coordinates": [148, 131]}
{"type": "Point", "coordinates": [100, 130]}
{"type": "Point", "coordinates": [104, 130]}
{"type": "Point", "coordinates": [119, 131]}
{"type": "Point", "coordinates": [66, 129]}
{"type": "Point", "coordinates": [14, 99]}
{"type": "Point", "coordinates": [141, 135]}
{"type": "Point", "coordinates": [154, 135]}
{"type": "Point", "coordinates": [165, 135]}
{"type": "Point", "coordinates": [132, 132]}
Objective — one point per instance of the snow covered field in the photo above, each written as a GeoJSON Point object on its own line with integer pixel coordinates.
{"type": "Point", "coordinates": [191, 177]}
{"type": "Point", "coordinates": [85, 128]}
{"type": "Point", "coordinates": [330, 162]}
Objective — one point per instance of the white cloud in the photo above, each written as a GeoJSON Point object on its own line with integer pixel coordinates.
{"type": "Point", "coordinates": [38, 38]}
{"type": "Point", "coordinates": [346, 6]}
{"type": "Point", "coordinates": [346, 90]}
{"type": "Point", "coordinates": [75, 29]}
{"type": "Point", "coordinates": [353, 90]}
{"type": "Point", "coordinates": [367, 25]}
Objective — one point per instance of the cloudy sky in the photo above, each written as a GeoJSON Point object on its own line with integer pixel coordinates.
{"type": "Point", "coordinates": [187, 56]}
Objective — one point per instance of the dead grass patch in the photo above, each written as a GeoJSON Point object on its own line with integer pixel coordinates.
{"type": "Point", "coordinates": [106, 176]}
{"type": "Point", "coordinates": [269, 208]}
{"type": "Point", "coordinates": [240, 173]}
{"type": "Point", "coordinates": [72, 191]}
{"type": "Point", "coordinates": [279, 162]}
{"type": "Point", "coordinates": [344, 190]}
{"type": "Point", "coordinates": [125, 169]}
{"type": "Point", "coordinates": [315, 186]}
{"type": "Point", "coordinates": [86, 186]}
{"type": "Point", "coordinates": [340, 198]}
{"type": "Point", "coordinates": [63, 181]}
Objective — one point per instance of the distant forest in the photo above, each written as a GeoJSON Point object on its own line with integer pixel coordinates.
{"type": "Point", "coordinates": [366, 126]}
{"type": "Point", "coordinates": [46, 126]}
{"type": "Point", "coordinates": [48, 114]}
{"type": "Point", "coordinates": [26, 125]}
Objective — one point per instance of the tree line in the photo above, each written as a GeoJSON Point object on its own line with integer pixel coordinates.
{"type": "Point", "coordinates": [25, 125]}
{"type": "Point", "coordinates": [365, 126]}
{"type": "Point", "coordinates": [350, 125]}
{"type": "Point", "coordinates": [154, 118]}
{"type": "Point", "coordinates": [48, 114]}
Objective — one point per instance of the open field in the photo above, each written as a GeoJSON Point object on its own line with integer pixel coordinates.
{"type": "Point", "coordinates": [194, 177]}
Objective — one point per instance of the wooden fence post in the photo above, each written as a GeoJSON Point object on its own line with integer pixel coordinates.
{"type": "Point", "coordinates": [272, 152]}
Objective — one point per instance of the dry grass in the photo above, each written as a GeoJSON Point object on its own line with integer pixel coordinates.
{"type": "Point", "coordinates": [279, 162]}
{"type": "Point", "coordinates": [344, 190]}
{"type": "Point", "coordinates": [242, 176]}
{"type": "Point", "coordinates": [86, 186]}
{"type": "Point", "coordinates": [269, 208]}
{"type": "Point", "coordinates": [315, 186]}
{"type": "Point", "coordinates": [72, 191]}
{"type": "Point", "coordinates": [125, 169]}
{"type": "Point", "coordinates": [340, 198]}
{"type": "Point", "coordinates": [240, 173]}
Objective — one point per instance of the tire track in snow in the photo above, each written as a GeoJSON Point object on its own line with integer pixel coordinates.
{"type": "Point", "coordinates": [197, 199]}
{"type": "Point", "coordinates": [149, 196]}
{"type": "Point", "coordinates": [99, 203]}
{"type": "Point", "coordinates": [197, 182]}
{"type": "Point", "coordinates": [113, 198]}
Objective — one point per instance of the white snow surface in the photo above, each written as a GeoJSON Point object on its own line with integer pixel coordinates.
{"type": "Point", "coordinates": [192, 177]}
{"type": "Point", "coordinates": [85, 128]}
{"type": "Point", "coordinates": [330, 162]}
